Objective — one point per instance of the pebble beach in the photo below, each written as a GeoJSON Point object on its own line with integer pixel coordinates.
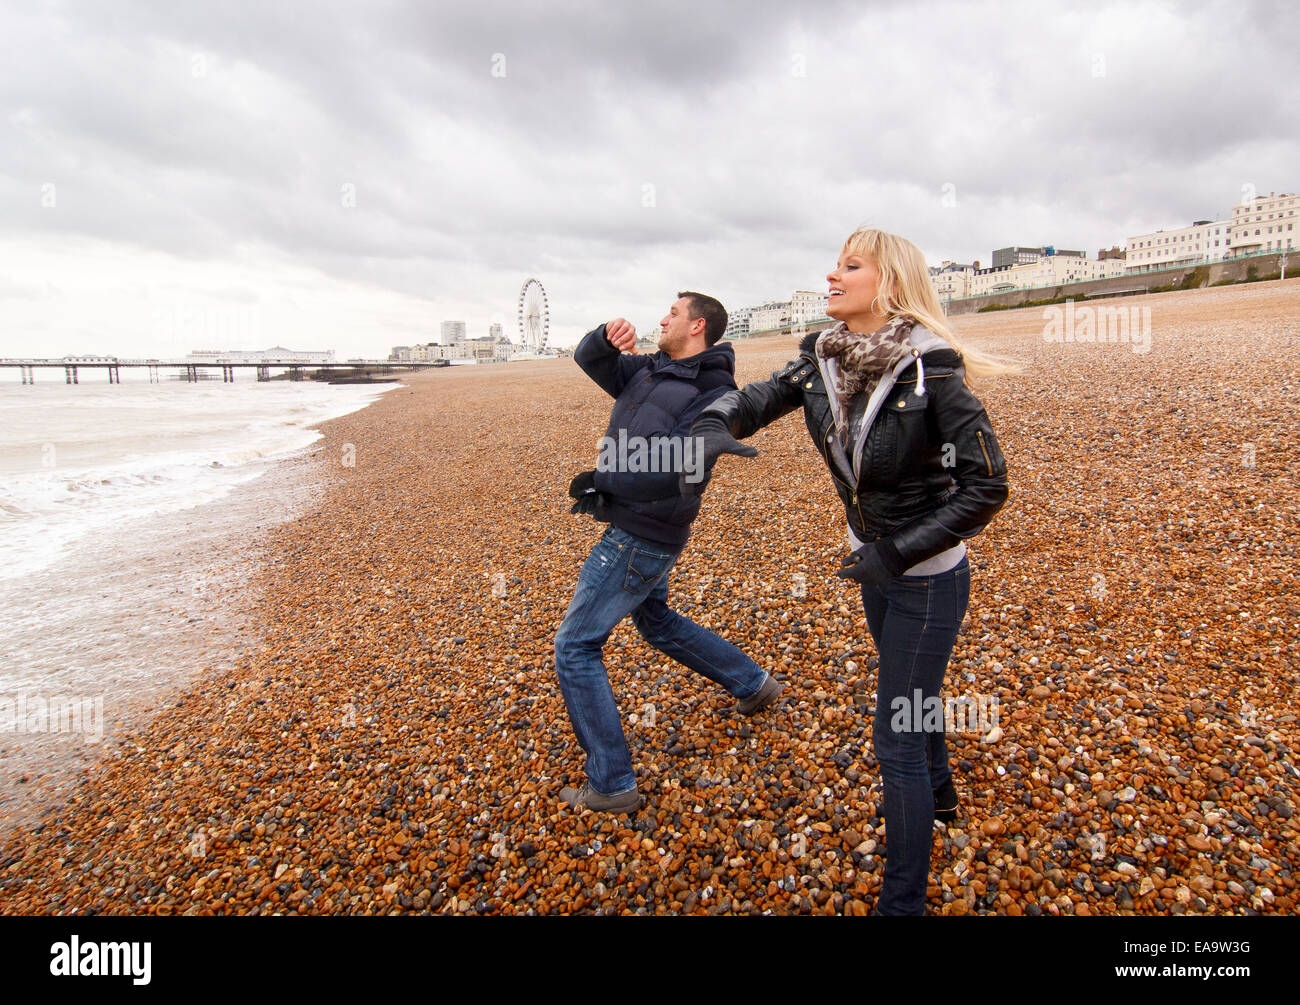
{"type": "Point", "coordinates": [392, 738]}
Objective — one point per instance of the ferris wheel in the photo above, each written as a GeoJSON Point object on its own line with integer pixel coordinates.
{"type": "Point", "coordinates": [534, 317]}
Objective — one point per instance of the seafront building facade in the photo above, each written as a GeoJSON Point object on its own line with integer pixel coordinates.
{"type": "Point", "coordinates": [769, 316]}
{"type": "Point", "coordinates": [1003, 257]}
{"type": "Point", "coordinates": [1203, 241]}
{"type": "Point", "coordinates": [1266, 223]}
{"type": "Point", "coordinates": [1258, 225]}
{"type": "Point", "coordinates": [952, 279]}
{"type": "Point", "coordinates": [808, 305]}
{"type": "Point", "coordinates": [738, 322]}
{"type": "Point", "coordinates": [804, 307]}
{"type": "Point", "coordinates": [1049, 268]}
{"type": "Point", "coordinates": [491, 348]}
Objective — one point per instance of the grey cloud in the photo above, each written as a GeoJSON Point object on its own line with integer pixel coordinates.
{"type": "Point", "coordinates": [466, 182]}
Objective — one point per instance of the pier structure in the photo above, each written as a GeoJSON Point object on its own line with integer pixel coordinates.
{"type": "Point", "coordinates": [193, 372]}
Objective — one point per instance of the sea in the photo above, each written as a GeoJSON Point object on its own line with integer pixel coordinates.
{"type": "Point", "coordinates": [130, 520]}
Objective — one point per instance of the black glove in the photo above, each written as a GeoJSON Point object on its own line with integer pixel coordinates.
{"type": "Point", "coordinates": [876, 564]}
{"type": "Point", "coordinates": [588, 500]}
{"type": "Point", "coordinates": [583, 481]}
{"type": "Point", "coordinates": [715, 440]}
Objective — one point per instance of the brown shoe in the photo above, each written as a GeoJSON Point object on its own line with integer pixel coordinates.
{"type": "Point", "coordinates": [586, 797]}
{"type": "Point", "coordinates": [767, 695]}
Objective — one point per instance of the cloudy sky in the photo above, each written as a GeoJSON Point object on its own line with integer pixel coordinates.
{"type": "Point", "coordinates": [345, 175]}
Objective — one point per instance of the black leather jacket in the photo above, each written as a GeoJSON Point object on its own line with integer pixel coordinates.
{"type": "Point", "coordinates": [931, 472]}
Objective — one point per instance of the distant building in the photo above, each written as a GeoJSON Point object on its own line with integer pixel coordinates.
{"type": "Point", "coordinates": [1265, 223]}
{"type": "Point", "coordinates": [481, 350]}
{"type": "Point", "coordinates": [452, 332]}
{"type": "Point", "coordinates": [276, 354]}
{"type": "Point", "coordinates": [738, 322]}
{"type": "Point", "coordinates": [1023, 256]}
{"type": "Point", "coordinates": [952, 280]}
{"type": "Point", "coordinates": [1055, 269]}
{"type": "Point", "coordinates": [807, 306]}
{"type": "Point", "coordinates": [1202, 241]}
{"type": "Point", "coordinates": [769, 316]}
{"type": "Point", "coordinates": [495, 331]}
{"type": "Point", "coordinates": [427, 352]}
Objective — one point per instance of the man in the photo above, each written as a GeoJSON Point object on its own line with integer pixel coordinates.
{"type": "Point", "coordinates": [644, 453]}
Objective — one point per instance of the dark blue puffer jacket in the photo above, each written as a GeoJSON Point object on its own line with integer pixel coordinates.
{"type": "Point", "coordinates": [656, 397]}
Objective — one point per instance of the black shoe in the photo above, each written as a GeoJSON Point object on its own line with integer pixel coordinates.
{"type": "Point", "coordinates": [945, 803]}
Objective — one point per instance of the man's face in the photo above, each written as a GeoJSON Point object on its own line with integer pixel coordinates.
{"type": "Point", "coordinates": [675, 328]}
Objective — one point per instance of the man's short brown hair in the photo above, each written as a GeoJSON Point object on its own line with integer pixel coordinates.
{"type": "Point", "coordinates": [713, 313]}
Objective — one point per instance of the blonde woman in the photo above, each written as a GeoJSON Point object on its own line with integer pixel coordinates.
{"type": "Point", "coordinates": [913, 457]}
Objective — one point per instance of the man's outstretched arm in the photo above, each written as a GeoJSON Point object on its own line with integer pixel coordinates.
{"type": "Point", "coordinates": [601, 357]}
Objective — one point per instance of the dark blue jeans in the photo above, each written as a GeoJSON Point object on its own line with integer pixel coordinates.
{"type": "Point", "coordinates": [914, 622]}
{"type": "Point", "coordinates": [627, 575]}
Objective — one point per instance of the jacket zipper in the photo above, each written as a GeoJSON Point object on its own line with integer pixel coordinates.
{"type": "Point", "coordinates": [979, 433]}
{"type": "Point", "coordinates": [830, 463]}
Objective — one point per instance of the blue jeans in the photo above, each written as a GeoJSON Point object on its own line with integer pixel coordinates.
{"type": "Point", "coordinates": [914, 622]}
{"type": "Point", "coordinates": [627, 575]}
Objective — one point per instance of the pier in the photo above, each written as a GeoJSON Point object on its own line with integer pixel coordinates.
{"type": "Point", "coordinates": [194, 372]}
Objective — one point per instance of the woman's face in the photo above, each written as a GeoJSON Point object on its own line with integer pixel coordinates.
{"type": "Point", "coordinates": [853, 285]}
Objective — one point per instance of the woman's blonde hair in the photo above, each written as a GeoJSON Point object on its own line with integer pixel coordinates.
{"type": "Point", "coordinates": [905, 289]}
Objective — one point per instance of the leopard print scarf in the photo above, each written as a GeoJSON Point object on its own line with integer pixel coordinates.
{"type": "Point", "coordinates": [863, 359]}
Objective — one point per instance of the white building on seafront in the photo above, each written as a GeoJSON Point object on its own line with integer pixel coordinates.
{"type": "Point", "coordinates": [1203, 241]}
{"type": "Point", "coordinates": [807, 306]}
{"type": "Point", "coordinates": [766, 317]}
{"type": "Point", "coordinates": [427, 352]}
{"type": "Point", "coordinates": [738, 322]}
{"type": "Point", "coordinates": [951, 280]}
{"type": "Point", "coordinates": [1056, 269]}
{"type": "Point", "coordinates": [1266, 223]}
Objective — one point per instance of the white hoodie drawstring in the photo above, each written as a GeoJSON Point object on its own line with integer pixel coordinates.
{"type": "Point", "coordinates": [920, 374]}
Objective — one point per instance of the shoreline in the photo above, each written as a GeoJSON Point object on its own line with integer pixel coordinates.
{"type": "Point", "coordinates": [195, 618]}
{"type": "Point", "coordinates": [396, 742]}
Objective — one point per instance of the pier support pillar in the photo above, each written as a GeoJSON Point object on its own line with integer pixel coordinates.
{"type": "Point", "coordinates": [29, 374]}
{"type": "Point", "coordinates": [70, 375]}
